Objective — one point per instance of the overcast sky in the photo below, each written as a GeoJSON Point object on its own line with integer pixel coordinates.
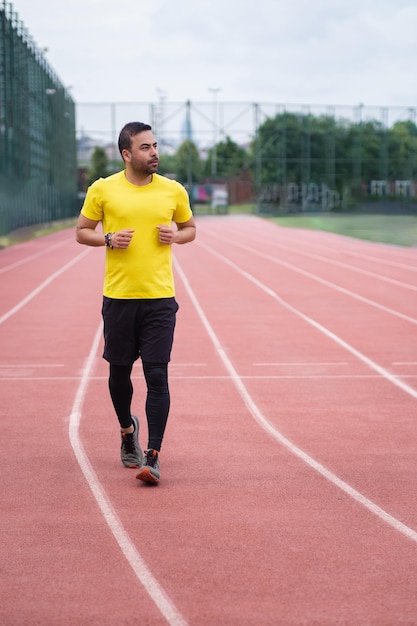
{"type": "Point", "coordinates": [297, 51]}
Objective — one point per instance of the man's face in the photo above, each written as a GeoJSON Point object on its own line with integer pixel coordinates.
{"type": "Point", "coordinates": [143, 155]}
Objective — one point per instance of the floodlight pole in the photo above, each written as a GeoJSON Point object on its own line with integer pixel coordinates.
{"type": "Point", "coordinates": [214, 91]}
{"type": "Point", "coordinates": [160, 117]}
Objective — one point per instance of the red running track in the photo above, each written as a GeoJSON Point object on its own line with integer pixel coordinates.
{"type": "Point", "coordinates": [289, 465]}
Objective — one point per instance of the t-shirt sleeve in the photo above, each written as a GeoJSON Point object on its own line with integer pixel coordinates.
{"type": "Point", "coordinates": [183, 212]}
{"type": "Point", "coordinates": [92, 208]}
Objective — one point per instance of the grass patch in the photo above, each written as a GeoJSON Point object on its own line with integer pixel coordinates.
{"type": "Point", "coordinates": [400, 230]}
{"type": "Point", "coordinates": [26, 233]}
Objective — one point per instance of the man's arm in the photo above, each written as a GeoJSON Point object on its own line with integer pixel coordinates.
{"type": "Point", "coordinates": [86, 234]}
{"type": "Point", "coordinates": [184, 233]}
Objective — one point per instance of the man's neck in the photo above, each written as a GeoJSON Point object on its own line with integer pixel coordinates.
{"type": "Point", "coordinates": [139, 181]}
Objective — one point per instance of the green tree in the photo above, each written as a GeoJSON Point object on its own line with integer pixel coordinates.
{"type": "Point", "coordinates": [188, 162]}
{"type": "Point", "coordinates": [230, 159]}
{"type": "Point", "coordinates": [99, 165]}
{"type": "Point", "coordinates": [302, 148]}
{"type": "Point", "coordinates": [373, 136]}
{"type": "Point", "coordinates": [345, 155]}
{"type": "Point", "coordinates": [403, 151]}
{"type": "Point", "coordinates": [277, 151]}
{"type": "Point", "coordinates": [167, 164]}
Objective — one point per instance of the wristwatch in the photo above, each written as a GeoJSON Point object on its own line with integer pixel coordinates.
{"type": "Point", "coordinates": [107, 240]}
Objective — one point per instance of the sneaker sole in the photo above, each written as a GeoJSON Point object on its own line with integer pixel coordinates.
{"type": "Point", "coordinates": [132, 465]}
{"type": "Point", "coordinates": [147, 477]}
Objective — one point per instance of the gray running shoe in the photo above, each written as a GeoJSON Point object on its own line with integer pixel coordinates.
{"type": "Point", "coordinates": [149, 472]}
{"type": "Point", "coordinates": [130, 451]}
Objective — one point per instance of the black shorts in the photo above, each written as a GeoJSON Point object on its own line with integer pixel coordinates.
{"type": "Point", "coordinates": [138, 328]}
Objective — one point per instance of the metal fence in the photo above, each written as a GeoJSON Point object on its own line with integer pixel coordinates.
{"type": "Point", "coordinates": [323, 163]}
{"type": "Point", "coordinates": [45, 139]}
{"type": "Point", "coordinates": [206, 123]}
{"type": "Point", "coordinates": [38, 159]}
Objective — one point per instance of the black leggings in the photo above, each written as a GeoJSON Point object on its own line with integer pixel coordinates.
{"type": "Point", "coordinates": [157, 398]}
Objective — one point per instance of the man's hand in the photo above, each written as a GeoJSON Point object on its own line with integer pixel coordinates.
{"type": "Point", "coordinates": [122, 238]}
{"type": "Point", "coordinates": [182, 233]}
{"type": "Point", "coordinates": [166, 234]}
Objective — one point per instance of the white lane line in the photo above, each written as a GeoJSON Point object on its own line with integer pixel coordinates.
{"type": "Point", "coordinates": [33, 365]}
{"type": "Point", "coordinates": [42, 286]}
{"type": "Point", "coordinates": [353, 268]}
{"type": "Point", "coordinates": [404, 362]}
{"type": "Point", "coordinates": [143, 574]}
{"type": "Point", "coordinates": [349, 267]}
{"type": "Point", "coordinates": [351, 246]}
{"type": "Point", "coordinates": [177, 365]}
{"type": "Point", "coordinates": [378, 368]}
{"type": "Point", "coordinates": [301, 363]}
{"type": "Point", "coordinates": [27, 259]}
{"type": "Point", "coordinates": [368, 257]}
{"type": "Point", "coordinates": [353, 251]}
{"type": "Point", "coordinates": [216, 377]}
{"type": "Point", "coordinates": [276, 434]}
{"type": "Point", "coordinates": [323, 281]}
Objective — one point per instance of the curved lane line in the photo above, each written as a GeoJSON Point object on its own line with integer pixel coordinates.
{"type": "Point", "coordinates": [42, 286]}
{"type": "Point", "coordinates": [267, 426]}
{"type": "Point", "coordinates": [378, 368]}
{"type": "Point", "coordinates": [31, 257]}
{"type": "Point", "coordinates": [144, 575]}
{"type": "Point", "coordinates": [323, 281]}
{"type": "Point", "coordinates": [354, 268]}
{"type": "Point", "coordinates": [349, 267]}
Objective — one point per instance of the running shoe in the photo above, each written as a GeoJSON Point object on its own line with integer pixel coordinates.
{"type": "Point", "coordinates": [130, 451]}
{"type": "Point", "coordinates": [149, 472]}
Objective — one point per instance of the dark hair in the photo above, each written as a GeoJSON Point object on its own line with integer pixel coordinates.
{"type": "Point", "coordinates": [128, 131]}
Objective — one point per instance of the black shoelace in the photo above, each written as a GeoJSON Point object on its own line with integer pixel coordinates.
{"type": "Point", "coordinates": [151, 458]}
{"type": "Point", "coordinates": [129, 443]}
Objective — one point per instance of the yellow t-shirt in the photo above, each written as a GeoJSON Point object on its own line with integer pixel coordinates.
{"type": "Point", "coordinates": [144, 269]}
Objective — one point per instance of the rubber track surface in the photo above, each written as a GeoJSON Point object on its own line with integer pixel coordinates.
{"type": "Point", "coordinates": [288, 471]}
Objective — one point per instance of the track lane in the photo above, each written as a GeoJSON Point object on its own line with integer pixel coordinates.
{"type": "Point", "coordinates": [382, 270]}
{"type": "Point", "coordinates": [59, 561]}
{"type": "Point", "coordinates": [325, 269]}
{"type": "Point", "coordinates": [325, 304]}
{"type": "Point", "coordinates": [232, 541]}
{"type": "Point", "coordinates": [397, 405]}
{"type": "Point", "coordinates": [195, 524]}
{"type": "Point", "coordinates": [342, 246]}
{"type": "Point", "coordinates": [240, 531]}
{"type": "Point", "coordinates": [25, 268]}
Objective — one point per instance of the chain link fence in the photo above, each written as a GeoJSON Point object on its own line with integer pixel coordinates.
{"type": "Point", "coordinates": [38, 157]}
{"type": "Point", "coordinates": [300, 157]}
{"type": "Point", "coordinates": [206, 123]}
{"type": "Point", "coordinates": [303, 157]}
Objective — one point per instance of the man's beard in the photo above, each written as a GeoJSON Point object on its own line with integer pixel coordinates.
{"type": "Point", "coordinates": [147, 168]}
{"type": "Point", "coordinates": [152, 168]}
